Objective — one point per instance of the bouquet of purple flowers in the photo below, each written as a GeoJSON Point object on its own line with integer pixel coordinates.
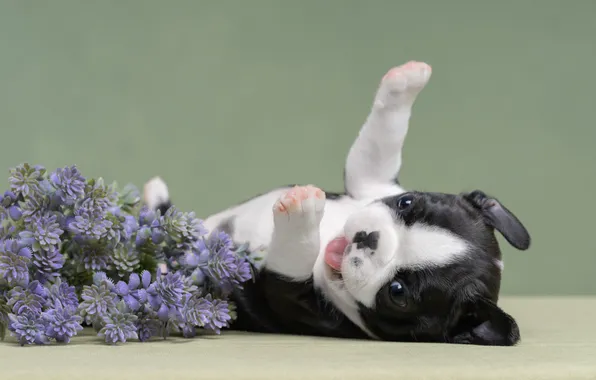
{"type": "Point", "coordinates": [76, 252]}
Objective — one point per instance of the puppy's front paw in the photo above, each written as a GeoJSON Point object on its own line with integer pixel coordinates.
{"type": "Point", "coordinates": [301, 206]}
{"type": "Point", "coordinates": [296, 237]}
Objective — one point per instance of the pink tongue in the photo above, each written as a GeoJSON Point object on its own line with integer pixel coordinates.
{"type": "Point", "coordinates": [334, 252]}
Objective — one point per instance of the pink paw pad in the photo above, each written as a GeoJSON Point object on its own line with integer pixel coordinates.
{"type": "Point", "coordinates": [407, 67]}
{"type": "Point", "coordinates": [292, 200]}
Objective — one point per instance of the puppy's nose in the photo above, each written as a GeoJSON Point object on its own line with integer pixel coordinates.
{"type": "Point", "coordinates": [366, 240]}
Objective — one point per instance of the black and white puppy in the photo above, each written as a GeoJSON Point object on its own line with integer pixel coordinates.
{"type": "Point", "coordinates": [377, 261]}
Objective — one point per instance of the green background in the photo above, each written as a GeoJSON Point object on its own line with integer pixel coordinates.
{"type": "Point", "coordinates": [225, 99]}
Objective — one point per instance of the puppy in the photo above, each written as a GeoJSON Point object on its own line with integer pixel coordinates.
{"type": "Point", "coordinates": [377, 261]}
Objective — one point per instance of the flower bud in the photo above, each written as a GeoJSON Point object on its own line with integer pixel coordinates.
{"type": "Point", "coordinates": [15, 213]}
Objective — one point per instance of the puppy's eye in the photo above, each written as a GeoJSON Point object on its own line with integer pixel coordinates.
{"type": "Point", "coordinates": [397, 292]}
{"type": "Point", "coordinates": [405, 201]}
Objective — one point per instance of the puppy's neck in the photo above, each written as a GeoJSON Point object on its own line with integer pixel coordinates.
{"type": "Point", "coordinates": [340, 300]}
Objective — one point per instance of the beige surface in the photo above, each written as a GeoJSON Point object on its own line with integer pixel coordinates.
{"type": "Point", "coordinates": [559, 342]}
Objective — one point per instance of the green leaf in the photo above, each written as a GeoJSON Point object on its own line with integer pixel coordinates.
{"type": "Point", "coordinates": [121, 307]}
{"type": "Point", "coordinates": [147, 262]}
{"type": "Point", "coordinates": [232, 310]}
{"type": "Point", "coordinates": [129, 198]}
{"type": "Point", "coordinates": [4, 311]}
{"type": "Point", "coordinates": [242, 247]}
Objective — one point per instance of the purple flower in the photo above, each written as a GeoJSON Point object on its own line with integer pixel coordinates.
{"type": "Point", "coordinates": [61, 322]}
{"type": "Point", "coordinates": [115, 210]}
{"type": "Point", "coordinates": [129, 227]}
{"type": "Point", "coordinates": [225, 267]}
{"type": "Point", "coordinates": [89, 226]}
{"type": "Point", "coordinates": [34, 208]}
{"type": "Point", "coordinates": [191, 259]}
{"type": "Point", "coordinates": [15, 213]}
{"type": "Point", "coordinates": [69, 184]}
{"type": "Point", "coordinates": [114, 232]}
{"type": "Point", "coordinates": [146, 216]}
{"type": "Point", "coordinates": [182, 227]}
{"type": "Point", "coordinates": [145, 279]}
{"type": "Point", "coordinates": [197, 311]}
{"type": "Point", "coordinates": [220, 314]}
{"type": "Point", "coordinates": [132, 293]}
{"type": "Point", "coordinates": [28, 328]}
{"type": "Point", "coordinates": [14, 263]}
{"type": "Point", "coordinates": [189, 330]}
{"type": "Point", "coordinates": [219, 241]}
{"type": "Point", "coordinates": [119, 327]}
{"type": "Point", "coordinates": [63, 293]}
{"type": "Point", "coordinates": [243, 271]}
{"type": "Point", "coordinates": [8, 199]}
{"type": "Point", "coordinates": [43, 233]}
{"type": "Point", "coordinates": [98, 198]}
{"type": "Point", "coordinates": [99, 234]}
{"type": "Point", "coordinates": [166, 291]}
{"type": "Point", "coordinates": [31, 299]}
{"type": "Point", "coordinates": [25, 179]}
{"type": "Point", "coordinates": [198, 277]}
{"type": "Point", "coordinates": [48, 263]}
{"type": "Point", "coordinates": [157, 235]}
{"type": "Point", "coordinates": [221, 264]}
{"type": "Point", "coordinates": [97, 299]}
{"type": "Point", "coordinates": [147, 325]}
{"type": "Point", "coordinates": [125, 259]}
{"type": "Point", "coordinates": [94, 258]}
{"type": "Point", "coordinates": [143, 234]}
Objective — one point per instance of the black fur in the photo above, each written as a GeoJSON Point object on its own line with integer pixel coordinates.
{"type": "Point", "coordinates": [163, 207]}
{"type": "Point", "coordinates": [273, 304]}
{"type": "Point", "coordinates": [498, 216]}
{"type": "Point", "coordinates": [226, 226]}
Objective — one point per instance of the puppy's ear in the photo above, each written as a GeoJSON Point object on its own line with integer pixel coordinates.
{"type": "Point", "coordinates": [500, 218]}
{"type": "Point", "coordinates": [484, 323]}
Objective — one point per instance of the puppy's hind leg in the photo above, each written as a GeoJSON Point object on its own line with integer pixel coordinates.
{"type": "Point", "coordinates": [375, 158]}
{"type": "Point", "coordinates": [296, 236]}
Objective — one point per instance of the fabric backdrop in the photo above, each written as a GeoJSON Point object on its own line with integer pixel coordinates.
{"type": "Point", "coordinates": [228, 98]}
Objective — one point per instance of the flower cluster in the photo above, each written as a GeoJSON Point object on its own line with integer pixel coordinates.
{"type": "Point", "coordinates": [40, 314]}
{"type": "Point", "coordinates": [74, 251]}
{"type": "Point", "coordinates": [142, 308]}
